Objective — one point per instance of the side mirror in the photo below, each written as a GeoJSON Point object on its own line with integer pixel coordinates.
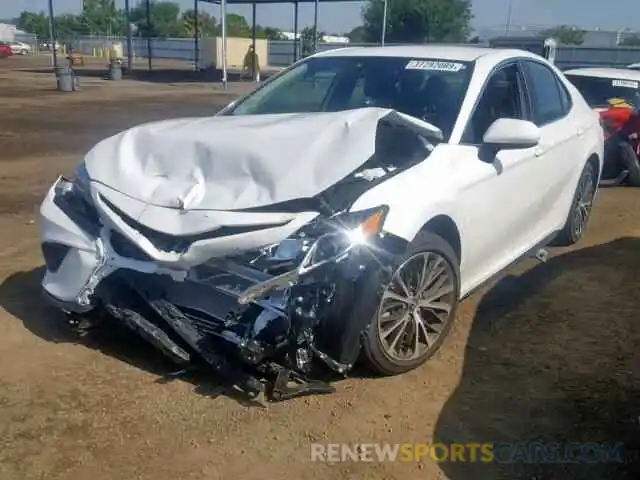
{"type": "Point", "coordinates": [511, 134]}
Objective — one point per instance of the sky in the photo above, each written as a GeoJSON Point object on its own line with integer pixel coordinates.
{"type": "Point", "coordinates": [342, 17]}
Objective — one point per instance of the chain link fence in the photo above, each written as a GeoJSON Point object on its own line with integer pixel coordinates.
{"type": "Point", "coordinates": [281, 53]}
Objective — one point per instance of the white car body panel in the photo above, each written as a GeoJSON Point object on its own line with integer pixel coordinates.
{"type": "Point", "coordinates": [501, 209]}
{"type": "Point", "coordinates": [607, 73]}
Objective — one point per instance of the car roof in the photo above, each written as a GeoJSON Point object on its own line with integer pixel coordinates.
{"type": "Point", "coordinates": [442, 52]}
{"type": "Point", "coordinates": [610, 73]}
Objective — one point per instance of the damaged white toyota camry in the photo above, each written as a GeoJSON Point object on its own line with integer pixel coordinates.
{"type": "Point", "coordinates": [340, 211]}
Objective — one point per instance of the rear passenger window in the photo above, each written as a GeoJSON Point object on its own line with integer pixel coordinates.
{"type": "Point", "coordinates": [550, 100]}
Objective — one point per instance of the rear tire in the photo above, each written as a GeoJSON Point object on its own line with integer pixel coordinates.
{"type": "Point", "coordinates": [580, 212]}
{"type": "Point", "coordinates": [416, 307]}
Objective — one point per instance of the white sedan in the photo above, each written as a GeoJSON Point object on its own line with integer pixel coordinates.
{"type": "Point", "coordinates": [20, 48]}
{"type": "Point", "coordinates": [342, 209]}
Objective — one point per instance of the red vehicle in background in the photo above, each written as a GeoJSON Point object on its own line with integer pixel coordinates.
{"type": "Point", "coordinates": [615, 95]}
{"type": "Point", "coordinates": [5, 50]}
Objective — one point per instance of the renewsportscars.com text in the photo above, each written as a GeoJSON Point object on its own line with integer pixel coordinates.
{"type": "Point", "coordinates": [524, 452]}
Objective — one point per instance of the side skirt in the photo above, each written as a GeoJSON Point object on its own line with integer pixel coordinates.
{"type": "Point", "coordinates": [533, 252]}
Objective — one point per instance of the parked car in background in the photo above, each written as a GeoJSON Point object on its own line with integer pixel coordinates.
{"type": "Point", "coordinates": [20, 48]}
{"type": "Point", "coordinates": [47, 46]}
{"type": "Point", "coordinates": [5, 50]}
{"type": "Point", "coordinates": [379, 188]}
{"type": "Point", "coordinates": [615, 94]}
{"type": "Point", "coordinates": [634, 66]}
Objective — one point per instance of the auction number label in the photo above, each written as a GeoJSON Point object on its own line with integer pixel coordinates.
{"type": "Point", "coordinates": [626, 84]}
{"type": "Point", "coordinates": [434, 65]}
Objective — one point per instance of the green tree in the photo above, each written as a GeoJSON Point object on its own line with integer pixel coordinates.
{"type": "Point", "coordinates": [418, 21]}
{"type": "Point", "coordinates": [207, 26]}
{"type": "Point", "coordinates": [272, 33]}
{"type": "Point", "coordinates": [164, 19]}
{"type": "Point", "coordinates": [357, 35]}
{"type": "Point", "coordinates": [307, 41]}
{"type": "Point", "coordinates": [237, 26]}
{"type": "Point", "coordinates": [632, 40]}
{"type": "Point", "coordinates": [36, 23]}
{"type": "Point", "coordinates": [68, 26]}
{"type": "Point", "coordinates": [99, 17]}
{"type": "Point", "coordinates": [566, 35]}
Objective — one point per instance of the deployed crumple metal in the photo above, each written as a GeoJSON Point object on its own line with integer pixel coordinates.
{"type": "Point", "coordinates": [240, 162]}
{"type": "Point", "coordinates": [231, 240]}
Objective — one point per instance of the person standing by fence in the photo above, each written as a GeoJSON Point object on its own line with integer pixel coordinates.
{"type": "Point", "coordinates": [251, 64]}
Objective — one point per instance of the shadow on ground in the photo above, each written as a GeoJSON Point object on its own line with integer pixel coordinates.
{"type": "Point", "coordinates": [21, 296]}
{"type": "Point", "coordinates": [553, 358]}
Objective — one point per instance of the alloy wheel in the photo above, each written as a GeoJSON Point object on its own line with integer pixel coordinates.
{"type": "Point", "coordinates": [416, 306]}
{"type": "Point", "coordinates": [584, 200]}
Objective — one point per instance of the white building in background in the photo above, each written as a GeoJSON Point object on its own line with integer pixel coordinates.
{"type": "Point", "coordinates": [290, 35]}
{"type": "Point", "coordinates": [8, 32]}
{"type": "Point", "coordinates": [334, 39]}
{"type": "Point", "coordinates": [325, 38]}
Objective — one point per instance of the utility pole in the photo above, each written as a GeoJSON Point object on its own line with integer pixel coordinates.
{"type": "Point", "coordinates": [384, 23]}
{"type": "Point", "coordinates": [127, 8]}
{"type": "Point", "coordinates": [507, 26]}
{"type": "Point", "coordinates": [52, 36]}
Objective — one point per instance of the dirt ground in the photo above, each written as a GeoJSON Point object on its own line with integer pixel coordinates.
{"type": "Point", "coordinates": [548, 354]}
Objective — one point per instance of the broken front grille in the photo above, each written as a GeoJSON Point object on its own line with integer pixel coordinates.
{"type": "Point", "coordinates": [181, 243]}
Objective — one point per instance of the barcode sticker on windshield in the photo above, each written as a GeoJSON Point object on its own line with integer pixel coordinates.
{"type": "Point", "coordinates": [626, 84]}
{"type": "Point", "coordinates": [434, 65]}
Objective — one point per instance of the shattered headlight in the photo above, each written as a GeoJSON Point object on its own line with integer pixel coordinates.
{"type": "Point", "coordinates": [79, 186]}
{"type": "Point", "coordinates": [74, 198]}
{"type": "Point", "coordinates": [330, 242]}
{"type": "Point", "coordinates": [347, 231]}
{"type": "Point", "coordinates": [362, 226]}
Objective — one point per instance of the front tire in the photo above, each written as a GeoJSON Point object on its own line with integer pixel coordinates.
{"type": "Point", "coordinates": [416, 308]}
{"type": "Point", "coordinates": [580, 212]}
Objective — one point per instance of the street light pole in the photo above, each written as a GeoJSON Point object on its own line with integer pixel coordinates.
{"type": "Point", "coordinates": [223, 21]}
{"type": "Point", "coordinates": [507, 26]}
{"type": "Point", "coordinates": [384, 22]}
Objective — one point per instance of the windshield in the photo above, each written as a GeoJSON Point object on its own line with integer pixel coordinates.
{"type": "Point", "coordinates": [598, 91]}
{"type": "Point", "coordinates": [429, 89]}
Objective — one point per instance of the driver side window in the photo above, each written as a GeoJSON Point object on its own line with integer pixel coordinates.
{"type": "Point", "coordinates": [501, 98]}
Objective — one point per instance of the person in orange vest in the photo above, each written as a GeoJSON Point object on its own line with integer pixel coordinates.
{"type": "Point", "coordinates": [621, 124]}
{"type": "Point", "coordinates": [620, 116]}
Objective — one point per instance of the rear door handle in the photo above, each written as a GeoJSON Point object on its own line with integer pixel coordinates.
{"type": "Point", "coordinates": [539, 152]}
{"type": "Point", "coordinates": [580, 131]}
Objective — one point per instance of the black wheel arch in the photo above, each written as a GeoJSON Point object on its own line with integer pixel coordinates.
{"type": "Point", "coordinates": [444, 226]}
{"type": "Point", "coordinates": [596, 162]}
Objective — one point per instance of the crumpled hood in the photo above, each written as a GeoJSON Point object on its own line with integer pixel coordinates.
{"type": "Point", "coordinates": [237, 162]}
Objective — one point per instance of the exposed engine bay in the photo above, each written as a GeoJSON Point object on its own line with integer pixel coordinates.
{"type": "Point", "coordinates": [283, 296]}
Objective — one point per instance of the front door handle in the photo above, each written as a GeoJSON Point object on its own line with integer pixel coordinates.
{"type": "Point", "coordinates": [580, 131]}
